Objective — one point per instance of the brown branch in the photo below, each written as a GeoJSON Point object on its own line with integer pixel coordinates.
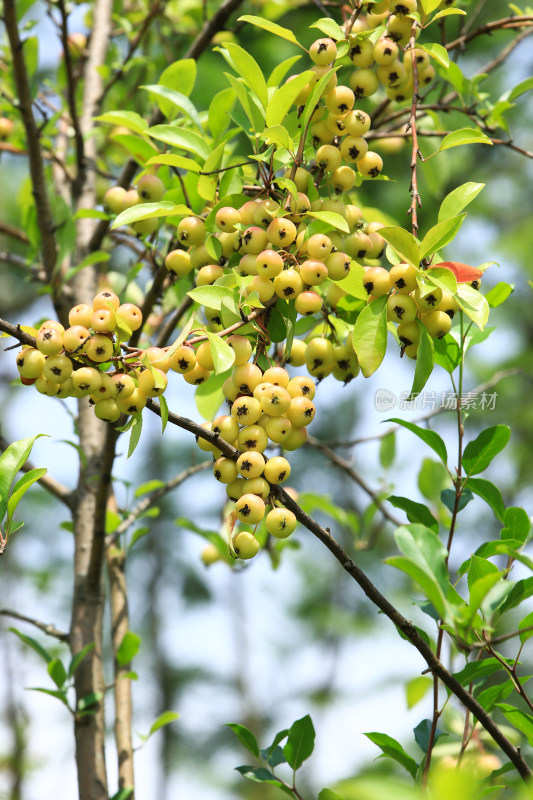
{"type": "Point", "coordinates": [50, 630]}
{"type": "Point", "coordinates": [507, 23]}
{"type": "Point", "coordinates": [211, 27]}
{"type": "Point", "coordinates": [153, 497]}
{"type": "Point", "coordinates": [42, 205]}
{"type": "Point", "coordinates": [416, 201]}
{"type": "Point", "coordinates": [193, 427]}
{"type": "Point", "coordinates": [407, 629]}
{"type": "Point", "coordinates": [52, 486]}
{"type": "Point", "coordinates": [77, 184]}
{"type": "Point", "coordinates": [14, 233]}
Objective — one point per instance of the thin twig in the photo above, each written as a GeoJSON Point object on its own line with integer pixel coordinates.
{"type": "Point", "coordinates": [50, 630]}
{"type": "Point", "coordinates": [416, 201]}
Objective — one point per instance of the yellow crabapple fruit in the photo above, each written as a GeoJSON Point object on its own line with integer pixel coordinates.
{"type": "Point", "coordinates": [252, 437]}
{"type": "Point", "coordinates": [251, 464]}
{"type": "Point", "coordinates": [196, 375]}
{"type": "Point", "coordinates": [245, 545]}
{"type": "Point", "coordinates": [277, 470]}
{"type": "Point", "coordinates": [323, 51]}
{"type": "Point", "coordinates": [191, 231]}
{"type": "Point", "coordinates": [183, 359]}
{"type": "Point", "coordinates": [151, 189]}
{"type": "Point", "coordinates": [225, 470]}
{"type": "Point", "coordinates": [376, 281]}
{"type": "Point", "coordinates": [130, 315]}
{"type": "Point", "coordinates": [301, 412]}
{"type": "Point", "coordinates": [57, 369]}
{"type": "Point", "coordinates": [401, 308]}
{"type": "Point", "coordinates": [132, 404]}
{"type": "Point", "coordinates": [30, 362]}
{"type": "Point", "coordinates": [437, 323]}
{"type": "Point", "coordinates": [280, 522]}
{"type": "Point", "coordinates": [106, 299]}
{"type": "Point", "coordinates": [403, 278]}
{"type": "Point", "coordinates": [250, 509]}
{"type": "Point", "coordinates": [178, 262]}
{"type": "Point", "coordinates": [81, 315]}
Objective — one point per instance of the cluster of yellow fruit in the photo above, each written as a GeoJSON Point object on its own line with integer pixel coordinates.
{"type": "Point", "coordinates": [267, 409]}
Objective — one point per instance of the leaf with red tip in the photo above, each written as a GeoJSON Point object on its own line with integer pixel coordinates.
{"type": "Point", "coordinates": [463, 272]}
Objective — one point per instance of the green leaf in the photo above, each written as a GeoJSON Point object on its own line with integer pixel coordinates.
{"type": "Point", "coordinates": [387, 450]}
{"type": "Point", "coordinates": [148, 210]}
{"type": "Point", "coordinates": [168, 98]}
{"type": "Point", "coordinates": [89, 701]}
{"type": "Point", "coordinates": [163, 719]}
{"type": "Point", "coordinates": [479, 453]}
{"type": "Point", "coordinates": [280, 70]}
{"type": "Point", "coordinates": [209, 395]}
{"type": "Point", "coordinates": [220, 108]}
{"type": "Point", "coordinates": [440, 235]}
{"type": "Point", "coordinates": [262, 775]}
{"type": "Point", "coordinates": [527, 622]}
{"type": "Point", "coordinates": [57, 672]}
{"type": "Point", "coordinates": [300, 742]}
{"type": "Point", "coordinates": [489, 493]}
{"type": "Point", "coordinates": [328, 794]}
{"type": "Point", "coordinates": [180, 75]}
{"type": "Point", "coordinates": [447, 353]}
{"type": "Point", "coordinates": [499, 294]}
{"type": "Point", "coordinates": [431, 438]}
{"type": "Point", "coordinates": [78, 658]}
{"type": "Point", "coordinates": [125, 119]}
{"type": "Point", "coordinates": [441, 277]}
{"type": "Point", "coordinates": [331, 218]}
{"type": "Point", "coordinates": [393, 749]}
{"type": "Point", "coordinates": [370, 336]}
{"type": "Point", "coordinates": [58, 693]}
{"type": "Point", "coordinates": [416, 689]}
{"type": "Point", "coordinates": [207, 184]}
{"type": "Point", "coordinates": [438, 53]}
{"type": "Point", "coordinates": [245, 737]}
{"type": "Point", "coordinates": [460, 137]}
{"type": "Point", "coordinates": [181, 138]}
{"type": "Point", "coordinates": [279, 136]}
{"type": "Point", "coordinates": [210, 296]}
{"type": "Point", "coordinates": [329, 27]}
{"type": "Point", "coordinates": [353, 284]}
{"type": "Point", "coordinates": [123, 794]}
{"type": "Point", "coordinates": [11, 461]}
{"type": "Point", "coordinates": [283, 98]}
{"type": "Point", "coordinates": [448, 497]}
{"type": "Point", "coordinates": [314, 97]}
{"type": "Point", "coordinates": [518, 719]}
{"type": "Point", "coordinates": [448, 12]}
{"type": "Point", "coordinates": [524, 86]}
{"type": "Point", "coordinates": [459, 198]}
{"type": "Point", "coordinates": [248, 68]}
{"type": "Point", "coordinates": [429, 5]}
{"type": "Point", "coordinates": [403, 243]}
{"type": "Point", "coordinates": [474, 304]}
{"type": "Point", "coordinates": [20, 489]}
{"type": "Point", "coordinates": [223, 354]}
{"type": "Point", "coordinates": [416, 512]}
{"type": "Point", "coordinates": [39, 649]}
{"type": "Point", "coordinates": [517, 524]}
{"type": "Point", "coordinates": [135, 435]}
{"type": "Point", "coordinates": [128, 648]}
{"type": "Point", "coordinates": [424, 363]}
{"type": "Point", "coordinates": [137, 146]}
{"type": "Point", "coordinates": [271, 27]}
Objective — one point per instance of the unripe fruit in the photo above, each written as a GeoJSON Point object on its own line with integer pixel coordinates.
{"type": "Point", "coordinates": [246, 410]}
{"type": "Point", "coordinates": [129, 314]}
{"type": "Point", "coordinates": [403, 278]}
{"type": "Point", "coordinates": [226, 426]}
{"type": "Point", "coordinates": [323, 51]}
{"type": "Point", "coordinates": [129, 199]}
{"type": "Point", "coordinates": [57, 369]}
{"type": "Point", "coordinates": [158, 357]}
{"type": "Point", "coordinates": [6, 128]}
{"type": "Point", "coordinates": [269, 263]}
{"type": "Point", "coordinates": [235, 489]}
{"type": "Point", "coordinates": [357, 245]}
{"type": "Point", "coordinates": [252, 437]}
{"type": "Point", "coordinates": [301, 386]}
{"type": "Point", "coordinates": [301, 178]}
{"type": "Point", "coordinates": [132, 404]}
{"type": "Point", "coordinates": [321, 133]}
{"type": "Point", "coordinates": [246, 377]}
{"type": "Point", "coordinates": [427, 75]}
{"type": "Point", "coordinates": [319, 71]}
{"type": "Point", "coordinates": [275, 401]}
{"type": "Point", "coordinates": [208, 274]}
{"type": "Point", "coordinates": [363, 83]}
{"type": "Point", "coordinates": [296, 438]}
{"type": "Point", "coordinates": [227, 218]}
{"type": "Point", "coordinates": [338, 265]}
{"type": "Point", "coordinates": [225, 470]}
{"type": "Point", "coordinates": [385, 51]}
{"type": "Point", "coordinates": [408, 333]}
{"type": "Point", "coordinates": [401, 308]}
{"type": "Point", "coordinates": [277, 470]}
{"type": "Point", "coordinates": [253, 240]}
{"type": "Point", "coordinates": [75, 338]}
{"type": "Point", "coordinates": [370, 165]}
{"type": "Point", "coordinates": [210, 555]}
{"type": "Point", "coordinates": [245, 545]}
{"type": "Point", "coordinates": [277, 429]}
{"type": "Point", "coordinates": [319, 246]}
{"type": "Point", "coordinates": [204, 356]}
{"type": "Point", "coordinates": [247, 212]}
{"type": "Point", "coordinates": [114, 199]}
{"type": "Point", "coordinates": [49, 341]}
{"type": "Point", "coordinates": [196, 375]}
{"type": "Point", "coordinates": [399, 29]}
{"type": "Point", "coordinates": [30, 362]}
{"type": "Point", "coordinates": [191, 231]}
{"type": "Point", "coordinates": [288, 284]}
{"type": "Point", "coordinates": [257, 486]}
{"type": "Point", "coordinates": [251, 464]}
{"type": "Point", "coordinates": [353, 148]}
{"type": "Point", "coordinates": [205, 444]}
{"type": "Point", "coordinates": [448, 304]}
{"type": "Point", "coordinates": [106, 299]}
{"type": "Point", "coordinates": [361, 53]}
{"type": "Point", "coordinates": [318, 353]}
{"type": "Point", "coordinates": [281, 232]}
{"type": "Point", "coordinates": [335, 125]}
{"type": "Point", "coordinates": [313, 272]}
{"type": "Point", "coordinates": [280, 522]}
{"type": "Point", "coordinates": [103, 321]}
{"type": "Point", "coordinates": [247, 264]}
{"type": "Point", "coordinates": [105, 389]}
{"type": "Point", "coordinates": [67, 389]}
{"type": "Point", "coordinates": [46, 387]}
{"type": "Point", "coordinates": [264, 288]}
{"type": "Point", "coordinates": [199, 256]}
{"type": "Point", "coordinates": [99, 348]}
{"type": "Point", "coordinates": [107, 410]}
{"type": "Point", "coordinates": [265, 211]}
{"type": "Point", "coordinates": [150, 188]}
{"type": "Point", "coordinates": [87, 379]}
{"type": "Point", "coordinates": [437, 323]}
{"type": "Point", "coordinates": [308, 303]}
{"type": "Point", "coordinates": [402, 6]}
{"type": "Point", "coordinates": [421, 58]}
{"type": "Point", "coordinates": [334, 295]}
{"type": "Point", "coordinates": [183, 359]}
{"type": "Point", "coordinates": [297, 209]}
{"type": "Point", "coordinates": [340, 100]}
{"type": "Point", "coordinates": [301, 412]}
{"type": "Point", "coordinates": [392, 75]}
{"type": "Point", "coordinates": [81, 315]}
{"type": "Point", "coordinates": [297, 354]}
{"type": "Point", "coordinates": [357, 123]}
{"type": "Point", "coordinates": [250, 509]}
{"type": "Point", "coordinates": [277, 376]}
{"type": "Point", "coordinates": [376, 281]}
{"type": "Point", "coordinates": [178, 262]}
{"type": "Point", "coordinates": [241, 347]}
{"type": "Point", "coordinates": [124, 385]}
{"type": "Point", "coordinates": [429, 301]}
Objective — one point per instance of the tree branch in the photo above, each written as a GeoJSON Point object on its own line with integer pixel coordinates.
{"type": "Point", "coordinates": [50, 630]}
